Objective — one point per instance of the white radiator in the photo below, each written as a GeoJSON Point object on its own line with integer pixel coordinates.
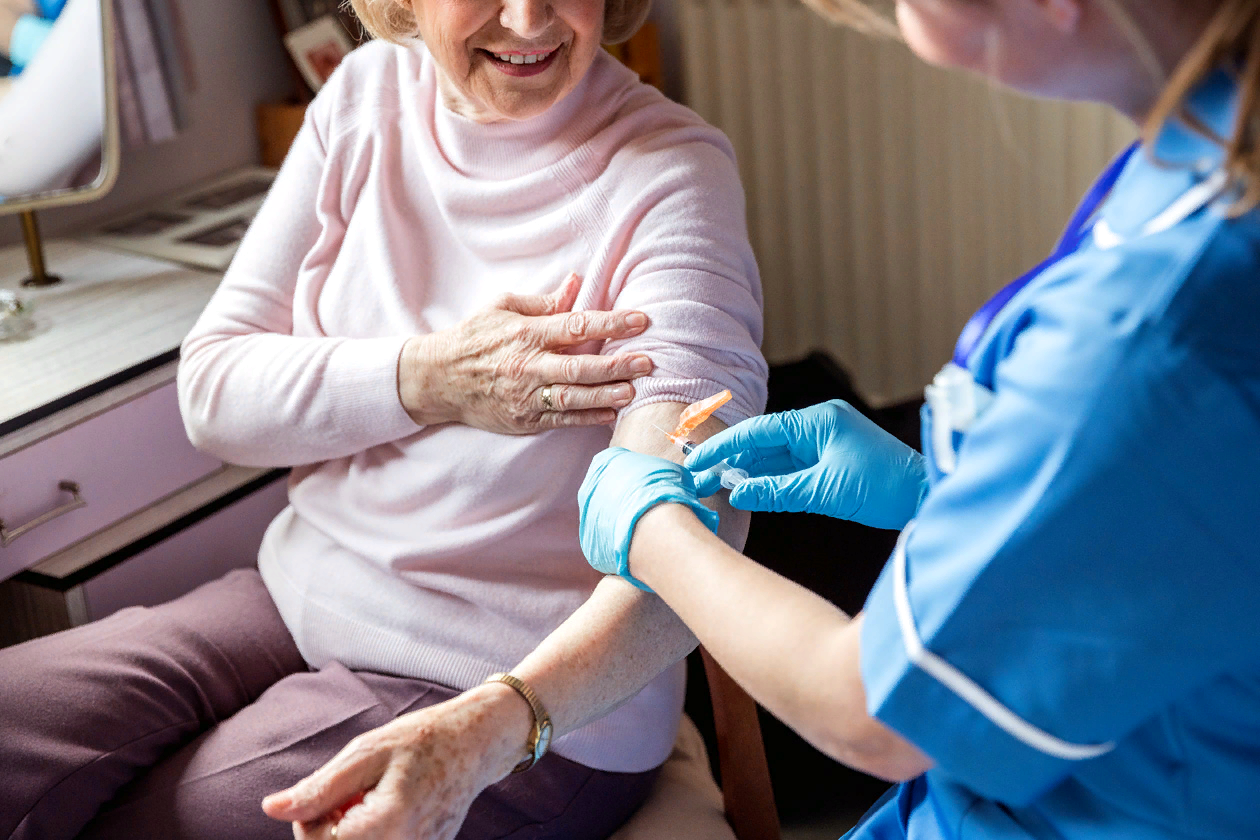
{"type": "Point", "coordinates": [886, 199]}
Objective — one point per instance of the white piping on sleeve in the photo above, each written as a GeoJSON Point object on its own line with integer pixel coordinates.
{"type": "Point", "coordinates": [962, 685]}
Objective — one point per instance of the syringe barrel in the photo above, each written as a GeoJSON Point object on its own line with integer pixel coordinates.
{"type": "Point", "coordinates": [730, 477]}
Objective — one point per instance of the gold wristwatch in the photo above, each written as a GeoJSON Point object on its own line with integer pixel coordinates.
{"type": "Point", "coordinates": [540, 735]}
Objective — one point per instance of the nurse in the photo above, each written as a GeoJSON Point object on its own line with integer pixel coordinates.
{"type": "Point", "coordinates": [1066, 641]}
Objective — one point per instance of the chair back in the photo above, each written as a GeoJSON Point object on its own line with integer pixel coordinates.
{"type": "Point", "coordinates": [747, 794]}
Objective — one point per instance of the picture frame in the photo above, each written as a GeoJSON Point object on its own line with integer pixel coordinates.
{"type": "Point", "coordinates": [200, 226]}
{"type": "Point", "coordinates": [317, 48]}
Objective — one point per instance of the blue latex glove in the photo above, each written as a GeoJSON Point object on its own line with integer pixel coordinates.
{"type": "Point", "coordinates": [828, 459]}
{"type": "Point", "coordinates": [620, 487]}
{"type": "Point", "coordinates": [29, 34]}
{"type": "Point", "coordinates": [50, 9]}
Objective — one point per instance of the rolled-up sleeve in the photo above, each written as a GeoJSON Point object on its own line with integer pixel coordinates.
{"type": "Point", "coordinates": [687, 263]}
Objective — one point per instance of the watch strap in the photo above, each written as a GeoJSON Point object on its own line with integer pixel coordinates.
{"type": "Point", "coordinates": [542, 721]}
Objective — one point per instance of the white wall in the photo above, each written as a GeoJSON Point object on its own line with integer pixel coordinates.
{"type": "Point", "coordinates": [886, 199]}
{"type": "Point", "coordinates": [239, 62]}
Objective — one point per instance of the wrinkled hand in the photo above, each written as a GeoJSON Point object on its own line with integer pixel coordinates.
{"type": "Point", "coordinates": [414, 777]}
{"type": "Point", "coordinates": [619, 488]}
{"type": "Point", "coordinates": [489, 370]}
{"type": "Point", "coordinates": [827, 459]}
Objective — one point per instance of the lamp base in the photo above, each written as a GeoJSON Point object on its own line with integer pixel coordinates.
{"type": "Point", "coordinates": [35, 252]}
{"type": "Point", "coordinates": [42, 280]}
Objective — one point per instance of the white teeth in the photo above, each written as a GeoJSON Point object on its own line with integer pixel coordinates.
{"type": "Point", "coordinates": [509, 58]}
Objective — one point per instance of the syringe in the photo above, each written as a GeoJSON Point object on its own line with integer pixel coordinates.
{"type": "Point", "coordinates": [729, 477]}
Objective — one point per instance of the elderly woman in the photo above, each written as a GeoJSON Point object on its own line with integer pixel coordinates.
{"type": "Point", "coordinates": [480, 243]}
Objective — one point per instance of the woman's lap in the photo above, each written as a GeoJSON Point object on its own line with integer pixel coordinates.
{"type": "Point", "coordinates": [209, 693]}
{"type": "Point", "coordinates": [212, 787]}
{"type": "Point", "coordinates": [84, 711]}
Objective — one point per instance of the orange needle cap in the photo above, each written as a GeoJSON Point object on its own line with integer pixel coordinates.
{"type": "Point", "coordinates": [696, 413]}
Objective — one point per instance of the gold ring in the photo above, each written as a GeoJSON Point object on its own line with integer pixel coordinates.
{"type": "Point", "coordinates": [546, 398]}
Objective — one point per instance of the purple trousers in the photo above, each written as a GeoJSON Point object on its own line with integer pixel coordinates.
{"type": "Point", "coordinates": [175, 721]}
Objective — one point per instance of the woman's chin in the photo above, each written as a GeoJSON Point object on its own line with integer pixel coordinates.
{"type": "Point", "coordinates": [522, 104]}
{"type": "Point", "coordinates": [518, 92]}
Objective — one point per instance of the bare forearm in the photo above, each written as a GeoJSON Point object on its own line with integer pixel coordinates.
{"type": "Point", "coordinates": [608, 650]}
{"type": "Point", "coordinates": [747, 616]}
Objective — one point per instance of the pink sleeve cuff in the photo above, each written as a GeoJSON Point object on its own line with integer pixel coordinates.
{"type": "Point", "coordinates": [362, 383]}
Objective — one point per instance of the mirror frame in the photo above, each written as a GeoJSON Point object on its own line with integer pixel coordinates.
{"type": "Point", "coordinates": [111, 154]}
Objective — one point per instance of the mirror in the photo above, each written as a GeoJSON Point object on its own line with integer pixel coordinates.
{"type": "Point", "coordinates": [58, 124]}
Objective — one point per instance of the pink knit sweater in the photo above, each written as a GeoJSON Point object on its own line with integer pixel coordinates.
{"type": "Point", "coordinates": [447, 552]}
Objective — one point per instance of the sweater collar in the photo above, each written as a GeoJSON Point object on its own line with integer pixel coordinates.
{"type": "Point", "coordinates": [513, 148]}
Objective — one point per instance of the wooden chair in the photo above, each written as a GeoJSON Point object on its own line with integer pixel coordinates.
{"type": "Point", "coordinates": [686, 804]}
{"type": "Point", "coordinates": [747, 795]}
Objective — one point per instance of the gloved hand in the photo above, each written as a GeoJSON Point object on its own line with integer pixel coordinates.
{"type": "Point", "coordinates": [620, 487]}
{"type": "Point", "coordinates": [828, 459]}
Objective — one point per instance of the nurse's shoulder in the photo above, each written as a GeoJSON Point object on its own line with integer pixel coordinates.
{"type": "Point", "coordinates": [1214, 313]}
{"type": "Point", "coordinates": [1190, 258]}
{"type": "Point", "coordinates": [1155, 305]}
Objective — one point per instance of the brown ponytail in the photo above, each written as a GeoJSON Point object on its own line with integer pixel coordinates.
{"type": "Point", "coordinates": [1231, 40]}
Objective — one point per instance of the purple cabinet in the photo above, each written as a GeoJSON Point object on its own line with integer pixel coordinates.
{"type": "Point", "coordinates": [224, 541]}
{"type": "Point", "coordinates": [121, 461]}
{"type": "Point", "coordinates": [120, 510]}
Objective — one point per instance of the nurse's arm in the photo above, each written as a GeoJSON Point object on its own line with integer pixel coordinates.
{"type": "Point", "coordinates": [794, 652]}
{"type": "Point", "coordinates": [622, 637]}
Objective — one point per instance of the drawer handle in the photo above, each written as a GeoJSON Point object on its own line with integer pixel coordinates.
{"type": "Point", "coordinates": [7, 536]}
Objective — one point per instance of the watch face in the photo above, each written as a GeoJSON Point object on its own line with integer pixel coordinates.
{"type": "Point", "coordinates": [544, 741]}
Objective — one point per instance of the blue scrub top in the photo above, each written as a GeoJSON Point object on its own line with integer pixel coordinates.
{"type": "Point", "coordinates": [1091, 565]}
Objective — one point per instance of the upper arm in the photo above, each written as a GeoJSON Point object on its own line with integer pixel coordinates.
{"type": "Point", "coordinates": [688, 265]}
{"type": "Point", "coordinates": [255, 388]}
{"type": "Point", "coordinates": [256, 295]}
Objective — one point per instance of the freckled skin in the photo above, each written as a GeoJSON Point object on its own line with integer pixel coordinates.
{"type": "Point", "coordinates": [488, 370]}
{"type": "Point", "coordinates": [421, 772]}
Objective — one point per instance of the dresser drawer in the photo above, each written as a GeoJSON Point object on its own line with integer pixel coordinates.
{"type": "Point", "coordinates": [121, 460]}
{"type": "Point", "coordinates": [208, 550]}
{"type": "Point", "coordinates": [170, 547]}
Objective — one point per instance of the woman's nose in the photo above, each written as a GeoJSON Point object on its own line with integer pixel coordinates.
{"type": "Point", "coordinates": [527, 18]}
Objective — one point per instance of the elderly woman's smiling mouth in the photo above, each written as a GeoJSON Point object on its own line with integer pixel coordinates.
{"type": "Point", "coordinates": [521, 63]}
{"type": "Point", "coordinates": [509, 59]}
